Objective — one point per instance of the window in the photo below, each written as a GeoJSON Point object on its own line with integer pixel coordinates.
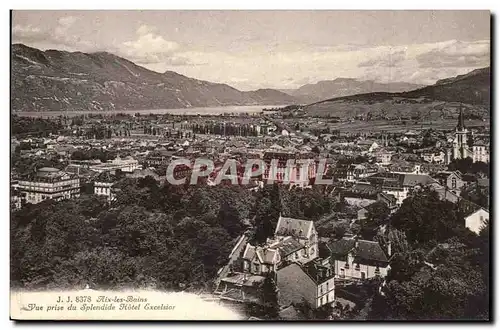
{"type": "Point", "coordinates": [357, 267]}
{"type": "Point", "coordinates": [346, 265]}
{"type": "Point", "coordinates": [453, 183]}
{"type": "Point", "coordinates": [256, 267]}
{"type": "Point", "coordinates": [326, 286]}
{"type": "Point", "coordinates": [377, 270]}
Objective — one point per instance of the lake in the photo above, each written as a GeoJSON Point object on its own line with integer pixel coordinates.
{"type": "Point", "coordinates": [250, 109]}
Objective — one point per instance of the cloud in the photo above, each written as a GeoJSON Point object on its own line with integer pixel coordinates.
{"type": "Point", "coordinates": [152, 49]}
{"type": "Point", "coordinates": [67, 21]}
{"type": "Point", "coordinates": [60, 37]}
{"type": "Point", "coordinates": [457, 54]}
{"type": "Point", "coordinates": [392, 59]}
{"type": "Point", "coordinates": [28, 34]}
{"type": "Point", "coordinates": [248, 63]}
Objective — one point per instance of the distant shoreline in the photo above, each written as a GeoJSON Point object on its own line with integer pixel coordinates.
{"type": "Point", "coordinates": [180, 111]}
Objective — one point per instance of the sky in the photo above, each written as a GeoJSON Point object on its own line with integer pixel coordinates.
{"type": "Point", "coordinates": [273, 49]}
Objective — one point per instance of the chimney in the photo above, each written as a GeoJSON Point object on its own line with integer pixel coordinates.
{"type": "Point", "coordinates": [389, 249]}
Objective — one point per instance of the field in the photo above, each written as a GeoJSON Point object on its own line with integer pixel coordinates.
{"type": "Point", "coordinates": [396, 126]}
{"type": "Point", "coordinates": [395, 108]}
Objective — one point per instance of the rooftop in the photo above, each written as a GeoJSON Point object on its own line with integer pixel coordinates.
{"type": "Point", "coordinates": [293, 227]}
{"type": "Point", "coordinates": [365, 252]}
{"type": "Point", "coordinates": [286, 246]}
{"type": "Point", "coordinates": [244, 279]}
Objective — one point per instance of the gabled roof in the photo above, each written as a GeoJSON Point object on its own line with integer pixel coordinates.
{"type": "Point", "coordinates": [365, 252]}
{"type": "Point", "coordinates": [446, 174]}
{"type": "Point", "coordinates": [340, 247]}
{"type": "Point", "coordinates": [475, 211]}
{"type": "Point", "coordinates": [293, 227]}
{"type": "Point", "coordinates": [370, 251]}
{"type": "Point", "coordinates": [265, 255]}
{"type": "Point", "coordinates": [287, 246]}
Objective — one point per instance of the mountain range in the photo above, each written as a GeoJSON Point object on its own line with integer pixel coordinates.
{"type": "Point", "coordinates": [339, 87]}
{"type": "Point", "coordinates": [59, 80]}
{"type": "Point", "coordinates": [442, 99]}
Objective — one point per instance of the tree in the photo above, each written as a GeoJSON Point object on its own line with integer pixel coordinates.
{"type": "Point", "coordinates": [263, 221]}
{"type": "Point", "coordinates": [425, 217]}
{"type": "Point", "coordinates": [378, 214]}
{"type": "Point", "coordinates": [269, 296]}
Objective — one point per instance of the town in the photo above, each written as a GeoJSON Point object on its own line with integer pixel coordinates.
{"type": "Point", "coordinates": [292, 249]}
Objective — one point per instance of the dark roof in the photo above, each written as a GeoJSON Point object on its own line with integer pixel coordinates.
{"type": "Point", "coordinates": [443, 175]}
{"type": "Point", "coordinates": [341, 247]}
{"type": "Point", "coordinates": [364, 188]}
{"type": "Point", "coordinates": [324, 249]}
{"type": "Point", "coordinates": [366, 252]}
{"type": "Point", "coordinates": [416, 179]}
{"type": "Point", "coordinates": [370, 250]}
{"type": "Point", "coordinates": [388, 197]}
{"type": "Point", "coordinates": [317, 272]}
{"type": "Point", "coordinates": [49, 174]}
{"type": "Point", "coordinates": [287, 246]}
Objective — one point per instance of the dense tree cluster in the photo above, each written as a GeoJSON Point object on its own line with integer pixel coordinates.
{"type": "Point", "coordinates": [439, 269]}
{"type": "Point", "coordinates": [225, 129]}
{"type": "Point", "coordinates": [23, 166]}
{"type": "Point", "coordinates": [273, 200]}
{"type": "Point", "coordinates": [166, 240]}
{"type": "Point", "coordinates": [93, 154]}
{"type": "Point", "coordinates": [467, 165]}
{"type": "Point", "coordinates": [156, 235]}
{"type": "Point", "coordinates": [34, 126]}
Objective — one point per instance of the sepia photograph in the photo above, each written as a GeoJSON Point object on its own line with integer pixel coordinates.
{"type": "Point", "coordinates": [250, 165]}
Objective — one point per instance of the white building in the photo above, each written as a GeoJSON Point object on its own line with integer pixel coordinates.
{"type": "Point", "coordinates": [49, 183]}
{"type": "Point", "coordinates": [354, 258]}
{"type": "Point", "coordinates": [127, 165]}
{"type": "Point", "coordinates": [476, 220]}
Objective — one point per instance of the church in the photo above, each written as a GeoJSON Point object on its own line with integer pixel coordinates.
{"type": "Point", "coordinates": [478, 152]}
